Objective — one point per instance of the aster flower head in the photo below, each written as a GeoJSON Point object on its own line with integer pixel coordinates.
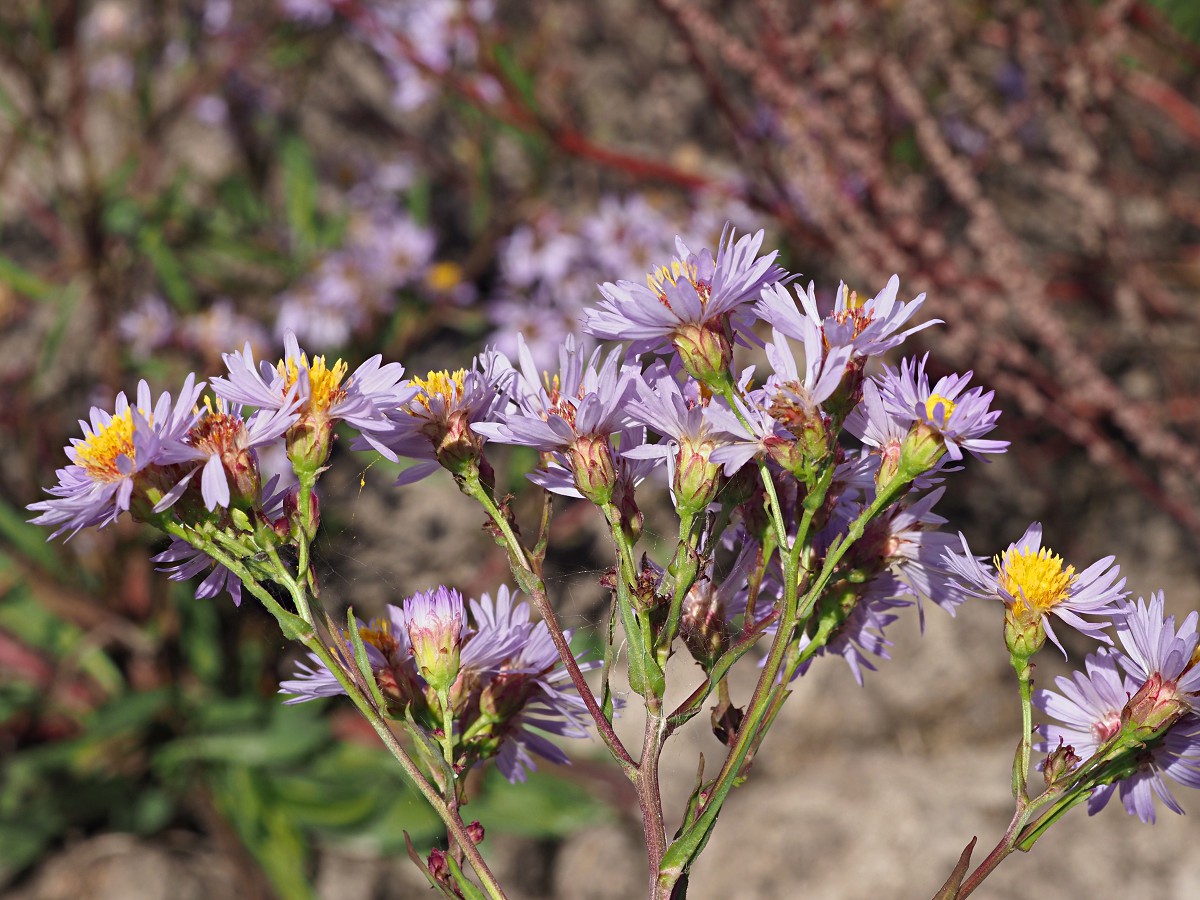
{"type": "Point", "coordinates": [323, 393]}
{"type": "Point", "coordinates": [948, 418]}
{"type": "Point", "coordinates": [688, 437]}
{"type": "Point", "coordinates": [436, 423]}
{"type": "Point", "coordinates": [906, 540]}
{"type": "Point", "coordinates": [119, 464]}
{"type": "Point", "coordinates": [1034, 584]}
{"type": "Point", "coordinates": [574, 414]}
{"type": "Point", "coordinates": [851, 623]}
{"type": "Point", "coordinates": [510, 689]}
{"type": "Point", "coordinates": [1162, 661]}
{"type": "Point", "coordinates": [222, 445]}
{"type": "Point", "coordinates": [1092, 713]}
{"type": "Point", "coordinates": [868, 326]}
{"type": "Point", "coordinates": [688, 304]}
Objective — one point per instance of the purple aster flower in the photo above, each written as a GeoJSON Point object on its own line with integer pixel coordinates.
{"type": "Point", "coordinates": [948, 411]}
{"type": "Point", "coordinates": [906, 541]}
{"type": "Point", "coordinates": [867, 327]}
{"type": "Point", "coordinates": [436, 424]}
{"type": "Point", "coordinates": [222, 446]}
{"type": "Point", "coordinates": [1161, 659]}
{"type": "Point", "coordinates": [119, 460]}
{"type": "Point", "coordinates": [510, 689]}
{"type": "Point", "coordinates": [1034, 583]}
{"type": "Point", "coordinates": [324, 393]}
{"type": "Point", "coordinates": [859, 634]}
{"type": "Point", "coordinates": [574, 414]}
{"type": "Point", "coordinates": [688, 437]}
{"type": "Point", "coordinates": [693, 290]}
{"type": "Point", "coordinates": [688, 306]}
{"type": "Point", "coordinates": [1091, 706]}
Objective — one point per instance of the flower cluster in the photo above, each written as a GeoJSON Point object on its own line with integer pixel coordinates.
{"type": "Point", "coordinates": [1134, 712]}
{"type": "Point", "coordinates": [499, 672]}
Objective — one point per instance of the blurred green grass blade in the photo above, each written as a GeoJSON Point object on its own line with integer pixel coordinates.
{"type": "Point", "coordinates": [22, 616]}
{"type": "Point", "coordinates": [29, 540]}
{"type": "Point", "coordinates": [300, 192]}
{"type": "Point", "coordinates": [68, 301]}
{"type": "Point", "coordinates": [168, 268]}
{"type": "Point", "coordinates": [23, 281]}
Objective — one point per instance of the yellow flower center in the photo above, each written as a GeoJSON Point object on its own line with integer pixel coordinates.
{"type": "Point", "coordinates": [379, 635]}
{"type": "Point", "coordinates": [445, 384]}
{"type": "Point", "coordinates": [325, 384]}
{"type": "Point", "coordinates": [933, 403]}
{"type": "Point", "coordinates": [444, 276]}
{"type": "Point", "coordinates": [658, 279]}
{"type": "Point", "coordinates": [1036, 581]}
{"type": "Point", "coordinates": [98, 455]}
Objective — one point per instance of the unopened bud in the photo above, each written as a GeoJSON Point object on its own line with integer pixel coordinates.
{"type": "Point", "coordinates": [706, 351]}
{"type": "Point", "coordinates": [593, 467]}
{"type": "Point", "coordinates": [1155, 707]}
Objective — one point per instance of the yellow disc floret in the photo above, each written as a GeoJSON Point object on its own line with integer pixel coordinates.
{"type": "Point", "coordinates": [98, 455]}
{"type": "Point", "coordinates": [1037, 581]}
{"type": "Point", "coordinates": [379, 635]}
{"type": "Point", "coordinates": [679, 269]}
{"type": "Point", "coordinates": [325, 384]}
{"type": "Point", "coordinates": [933, 403]}
{"type": "Point", "coordinates": [446, 384]}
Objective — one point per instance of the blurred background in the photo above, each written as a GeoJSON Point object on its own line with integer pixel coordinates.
{"type": "Point", "coordinates": [420, 178]}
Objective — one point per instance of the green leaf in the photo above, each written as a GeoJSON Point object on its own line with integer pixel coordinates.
{"type": "Point", "coordinates": [362, 660]}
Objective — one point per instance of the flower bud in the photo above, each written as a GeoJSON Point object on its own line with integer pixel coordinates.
{"type": "Point", "coordinates": [1059, 761]}
{"type": "Point", "coordinates": [696, 479]}
{"type": "Point", "coordinates": [1155, 707]}
{"type": "Point", "coordinates": [593, 466]}
{"type": "Point", "coordinates": [434, 620]}
{"type": "Point", "coordinates": [706, 351]}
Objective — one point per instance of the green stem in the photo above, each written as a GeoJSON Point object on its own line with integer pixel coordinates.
{"type": "Point", "coordinates": [531, 582]}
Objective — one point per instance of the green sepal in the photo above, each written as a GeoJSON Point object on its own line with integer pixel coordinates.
{"type": "Point", "coordinates": [362, 661]}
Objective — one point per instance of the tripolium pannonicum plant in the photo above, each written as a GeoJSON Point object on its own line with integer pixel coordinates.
{"type": "Point", "coordinates": [804, 497]}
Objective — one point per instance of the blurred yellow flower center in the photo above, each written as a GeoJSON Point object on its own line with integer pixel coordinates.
{"type": "Point", "coordinates": [98, 455]}
{"type": "Point", "coordinates": [933, 403]}
{"type": "Point", "coordinates": [1036, 581]}
{"type": "Point", "coordinates": [325, 384]}
{"type": "Point", "coordinates": [658, 279]}
{"type": "Point", "coordinates": [444, 276]}
{"type": "Point", "coordinates": [445, 384]}
{"type": "Point", "coordinates": [379, 635]}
